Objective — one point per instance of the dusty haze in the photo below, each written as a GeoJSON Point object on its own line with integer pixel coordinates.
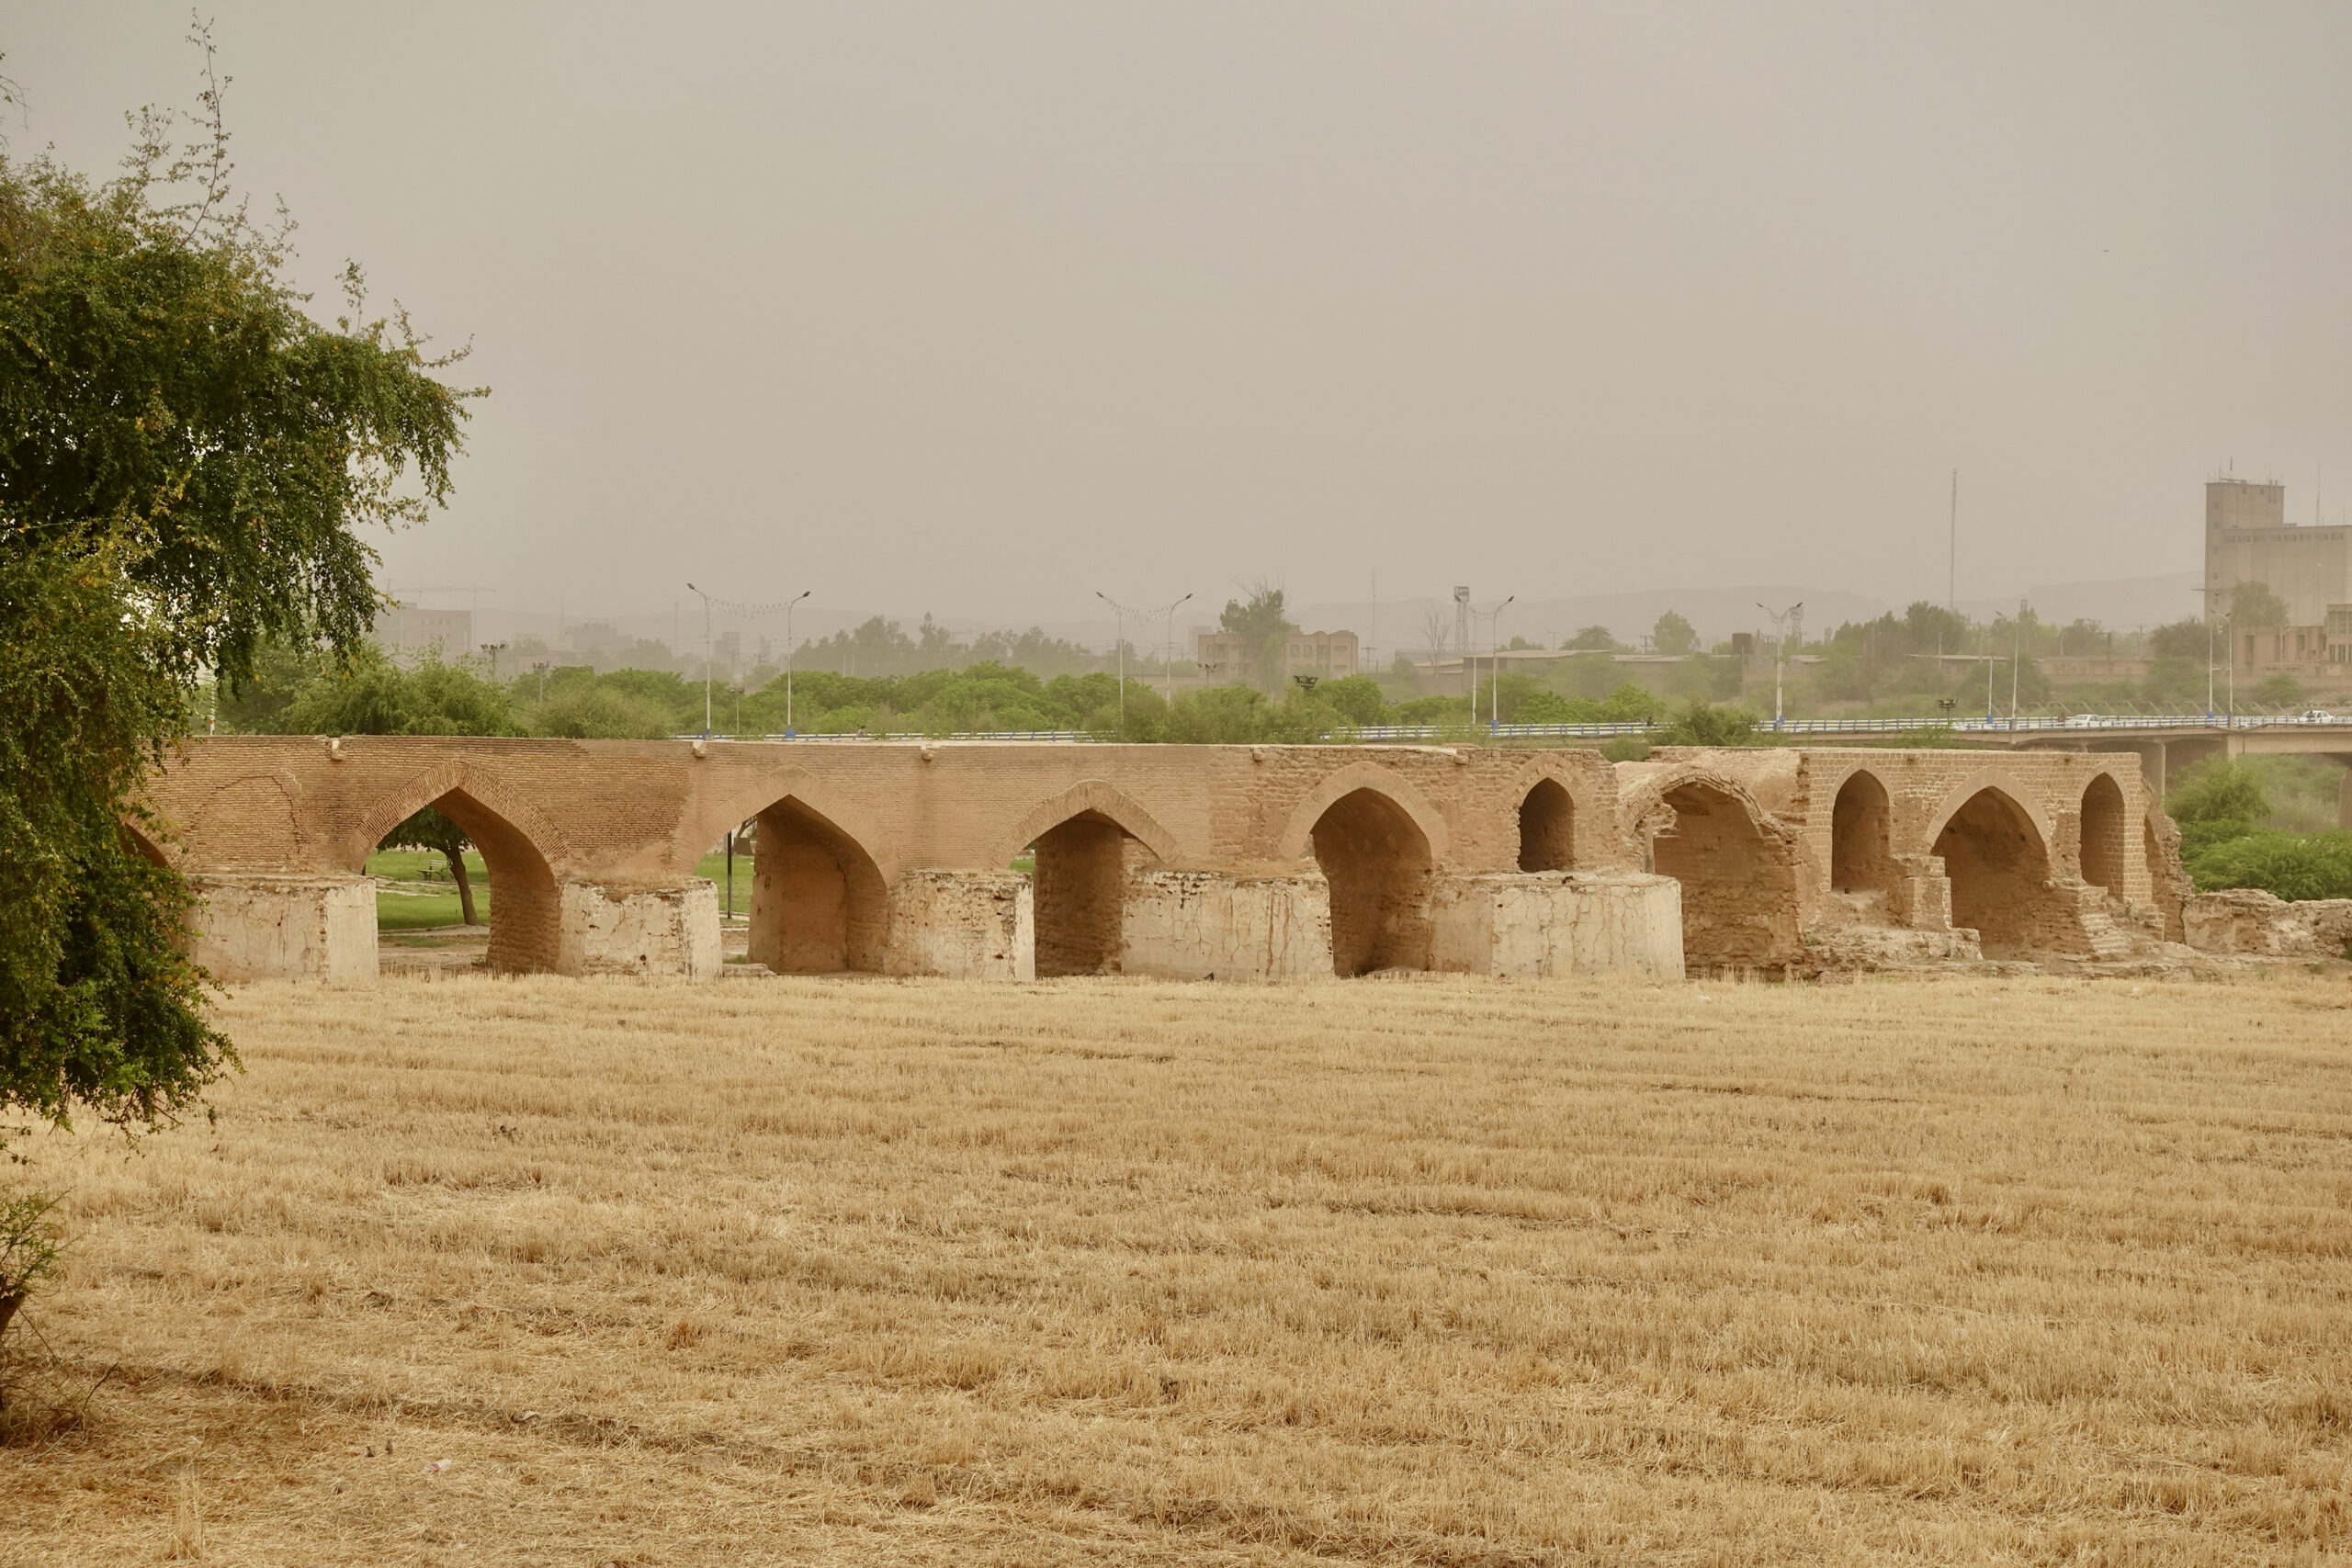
{"type": "Point", "coordinates": [981, 309]}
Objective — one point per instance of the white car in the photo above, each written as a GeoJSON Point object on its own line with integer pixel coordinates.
{"type": "Point", "coordinates": [2085, 720]}
{"type": "Point", "coordinates": [2316, 716]}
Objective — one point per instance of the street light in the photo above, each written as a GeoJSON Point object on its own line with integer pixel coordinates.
{"type": "Point", "coordinates": [1780, 647]}
{"type": "Point", "coordinates": [790, 650]}
{"type": "Point", "coordinates": [1120, 612]}
{"type": "Point", "coordinates": [706, 660]}
{"type": "Point", "coordinates": [1494, 619]}
{"type": "Point", "coordinates": [493, 650]}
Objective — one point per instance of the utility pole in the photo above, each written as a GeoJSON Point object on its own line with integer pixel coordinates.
{"type": "Point", "coordinates": [1168, 652]}
{"type": "Point", "coordinates": [1119, 635]}
{"type": "Point", "coordinates": [1780, 647]}
{"type": "Point", "coordinates": [1952, 568]}
{"type": "Point", "coordinates": [1494, 619]}
{"type": "Point", "coordinates": [706, 661]}
{"type": "Point", "coordinates": [493, 650]}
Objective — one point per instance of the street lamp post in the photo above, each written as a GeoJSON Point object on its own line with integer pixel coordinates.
{"type": "Point", "coordinates": [1168, 652]}
{"type": "Point", "coordinates": [493, 650]}
{"type": "Point", "coordinates": [2017, 654]}
{"type": "Point", "coordinates": [1121, 612]}
{"type": "Point", "coordinates": [1780, 647]}
{"type": "Point", "coordinates": [706, 660]}
{"type": "Point", "coordinates": [1494, 619]}
{"type": "Point", "coordinates": [791, 650]}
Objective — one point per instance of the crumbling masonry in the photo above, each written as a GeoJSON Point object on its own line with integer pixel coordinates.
{"type": "Point", "coordinates": [1212, 861]}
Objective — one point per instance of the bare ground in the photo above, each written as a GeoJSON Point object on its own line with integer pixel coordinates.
{"type": "Point", "coordinates": [1967, 1271]}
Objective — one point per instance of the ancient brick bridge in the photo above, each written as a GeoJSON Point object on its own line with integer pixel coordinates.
{"type": "Point", "coordinates": [1227, 862]}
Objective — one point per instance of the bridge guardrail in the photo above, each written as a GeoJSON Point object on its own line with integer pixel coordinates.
{"type": "Point", "coordinates": [1609, 729]}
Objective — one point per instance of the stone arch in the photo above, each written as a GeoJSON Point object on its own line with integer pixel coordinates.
{"type": "Point", "coordinates": [2106, 836]}
{"type": "Point", "coordinates": [1998, 862]}
{"type": "Point", "coordinates": [820, 903]}
{"type": "Point", "coordinates": [1547, 827]}
{"type": "Point", "coordinates": [1094, 796]}
{"type": "Point", "coordinates": [1736, 862]}
{"type": "Point", "coordinates": [519, 853]}
{"type": "Point", "coordinates": [143, 845]}
{"type": "Point", "coordinates": [1296, 841]}
{"type": "Point", "coordinates": [1087, 838]}
{"type": "Point", "coordinates": [1862, 828]}
{"type": "Point", "coordinates": [1377, 861]}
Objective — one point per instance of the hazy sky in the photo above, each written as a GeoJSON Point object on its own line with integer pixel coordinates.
{"type": "Point", "coordinates": [977, 308]}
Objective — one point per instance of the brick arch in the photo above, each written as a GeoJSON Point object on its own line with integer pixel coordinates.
{"type": "Point", "coordinates": [1736, 862]}
{"type": "Point", "coordinates": [1968, 789]}
{"type": "Point", "coordinates": [2001, 865]}
{"type": "Point", "coordinates": [521, 850]}
{"type": "Point", "coordinates": [1861, 832]}
{"type": "Point", "coordinates": [1105, 800]}
{"type": "Point", "coordinates": [391, 807]}
{"type": "Point", "coordinates": [1297, 837]}
{"type": "Point", "coordinates": [1581, 828]}
{"type": "Point", "coordinates": [796, 784]}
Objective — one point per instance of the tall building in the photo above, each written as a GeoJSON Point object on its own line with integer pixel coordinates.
{"type": "Point", "coordinates": [2248, 539]}
{"type": "Point", "coordinates": [1225, 657]}
{"type": "Point", "coordinates": [408, 633]}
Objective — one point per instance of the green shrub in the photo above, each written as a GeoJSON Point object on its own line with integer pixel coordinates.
{"type": "Point", "coordinates": [2293, 865]}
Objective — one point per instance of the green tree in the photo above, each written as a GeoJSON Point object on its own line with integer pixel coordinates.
{"type": "Point", "coordinates": [1701, 722]}
{"type": "Point", "coordinates": [1264, 625]}
{"type": "Point", "coordinates": [2279, 690]}
{"type": "Point", "coordinates": [2219, 792]}
{"type": "Point", "coordinates": [186, 458]}
{"type": "Point", "coordinates": [1672, 633]}
{"type": "Point", "coordinates": [585, 711]}
{"type": "Point", "coordinates": [429, 829]}
{"type": "Point", "coordinates": [2256, 604]}
{"type": "Point", "coordinates": [1594, 639]}
{"type": "Point", "coordinates": [372, 695]}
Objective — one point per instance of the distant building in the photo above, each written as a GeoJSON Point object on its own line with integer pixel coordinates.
{"type": "Point", "coordinates": [2248, 539]}
{"type": "Point", "coordinates": [408, 633]}
{"type": "Point", "coordinates": [2317, 655]}
{"type": "Point", "coordinates": [1227, 656]}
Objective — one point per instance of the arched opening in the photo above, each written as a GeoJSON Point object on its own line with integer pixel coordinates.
{"type": "Point", "coordinates": [1081, 884]}
{"type": "Point", "coordinates": [1860, 860]}
{"type": "Point", "coordinates": [1740, 890]}
{"type": "Point", "coordinates": [2104, 837]}
{"type": "Point", "coordinates": [1377, 861]}
{"type": "Point", "coordinates": [1999, 869]}
{"type": "Point", "coordinates": [524, 909]}
{"type": "Point", "coordinates": [819, 903]}
{"type": "Point", "coordinates": [1547, 828]}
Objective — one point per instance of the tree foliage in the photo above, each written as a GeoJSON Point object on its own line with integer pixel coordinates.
{"type": "Point", "coordinates": [186, 458]}
{"type": "Point", "coordinates": [426, 828]}
{"type": "Point", "coordinates": [1672, 633]}
{"type": "Point", "coordinates": [2256, 604]}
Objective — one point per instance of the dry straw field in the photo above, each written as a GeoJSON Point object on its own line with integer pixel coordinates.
{"type": "Point", "coordinates": [1973, 1271]}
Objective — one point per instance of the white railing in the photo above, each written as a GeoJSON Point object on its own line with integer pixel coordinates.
{"type": "Point", "coordinates": [1607, 729]}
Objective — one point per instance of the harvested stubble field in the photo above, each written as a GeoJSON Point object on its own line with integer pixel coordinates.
{"type": "Point", "coordinates": [1971, 1270]}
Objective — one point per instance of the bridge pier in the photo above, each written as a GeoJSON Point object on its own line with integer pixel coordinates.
{"type": "Point", "coordinates": [1215, 925]}
{"type": "Point", "coordinates": [638, 931]}
{"type": "Point", "coordinates": [963, 925]}
{"type": "Point", "coordinates": [1536, 925]}
{"type": "Point", "coordinates": [285, 927]}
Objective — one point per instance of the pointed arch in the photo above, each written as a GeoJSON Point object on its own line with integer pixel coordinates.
{"type": "Point", "coordinates": [1377, 863]}
{"type": "Point", "coordinates": [1099, 797]}
{"type": "Point", "coordinates": [1861, 835]}
{"type": "Point", "coordinates": [1736, 862]}
{"type": "Point", "coordinates": [1556, 820]}
{"type": "Point", "coordinates": [1997, 860]}
{"type": "Point", "coordinates": [730, 806]}
{"type": "Point", "coordinates": [520, 853]}
{"type": "Point", "coordinates": [1976, 784]}
{"type": "Point", "coordinates": [820, 903]}
{"type": "Point", "coordinates": [2105, 839]}
{"type": "Point", "coordinates": [1295, 841]}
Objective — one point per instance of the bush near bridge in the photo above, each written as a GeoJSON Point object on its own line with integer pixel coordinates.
{"type": "Point", "coordinates": [2238, 828]}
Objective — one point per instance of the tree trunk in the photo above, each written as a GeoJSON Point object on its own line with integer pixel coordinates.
{"type": "Point", "coordinates": [457, 859]}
